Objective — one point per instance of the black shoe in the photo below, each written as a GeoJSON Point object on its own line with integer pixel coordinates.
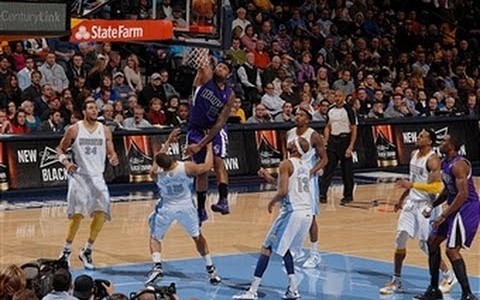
{"type": "Point", "coordinates": [430, 294]}
{"type": "Point", "coordinates": [213, 275]}
{"type": "Point", "coordinates": [323, 199]}
{"type": "Point", "coordinates": [346, 200]}
{"type": "Point", "coordinates": [469, 296]}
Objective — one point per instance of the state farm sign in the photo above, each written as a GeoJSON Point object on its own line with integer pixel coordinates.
{"type": "Point", "coordinates": [122, 30]}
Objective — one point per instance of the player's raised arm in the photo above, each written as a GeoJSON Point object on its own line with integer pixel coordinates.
{"type": "Point", "coordinates": [193, 169]}
{"type": "Point", "coordinates": [205, 71]}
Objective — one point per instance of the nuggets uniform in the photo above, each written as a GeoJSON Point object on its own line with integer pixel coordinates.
{"type": "Point", "coordinates": [411, 219]}
{"type": "Point", "coordinates": [207, 104]}
{"type": "Point", "coordinates": [462, 225]}
{"type": "Point", "coordinates": [175, 203]}
{"type": "Point", "coordinates": [310, 159]}
{"type": "Point", "coordinates": [87, 190]}
{"type": "Point", "coordinates": [293, 222]}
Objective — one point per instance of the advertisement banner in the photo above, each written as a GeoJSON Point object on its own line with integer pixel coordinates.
{"type": "Point", "coordinates": [269, 150]}
{"type": "Point", "coordinates": [139, 157]}
{"type": "Point", "coordinates": [386, 151]}
{"type": "Point", "coordinates": [3, 168]}
{"type": "Point", "coordinates": [406, 138]}
{"type": "Point", "coordinates": [100, 30]}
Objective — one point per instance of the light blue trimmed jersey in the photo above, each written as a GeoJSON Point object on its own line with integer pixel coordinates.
{"type": "Point", "coordinates": [176, 188]}
{"type": "Point", "coordinates": [298, 197]}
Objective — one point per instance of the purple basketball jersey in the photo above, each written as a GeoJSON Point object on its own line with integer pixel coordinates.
{"type": "Point", "coordinates": [449, 180]}
{"type": "Point", "coordinates": [208, 102]}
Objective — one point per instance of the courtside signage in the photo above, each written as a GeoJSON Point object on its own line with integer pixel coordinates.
{"type": "Point", "coordinates": [121, 30]}
{"type": "Point", "coordinates": [18, 17]}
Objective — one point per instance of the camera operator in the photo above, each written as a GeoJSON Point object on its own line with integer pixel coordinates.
{"type": "Point", "coordinates": [61, 283]}
{"type": "Point", "coordinates": [85, 288]}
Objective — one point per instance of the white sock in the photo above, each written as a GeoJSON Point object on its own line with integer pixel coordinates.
{"type": "Point", "coordinates": [255, 284]}
{"type": "Point", "coordinates": [292, 282]}
{"type": "Point", "coordinates": [88, 246]}
{"type": "Point", "coordinates": [314, 247]}
{"type": "Point", "coordinates": [208, 260]}
{"type": "Point", "coordinates": [156, 257]}
{"type": "Point", "coordinates": [67, 247]}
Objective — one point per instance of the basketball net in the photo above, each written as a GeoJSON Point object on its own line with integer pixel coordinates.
{"type": "Point", "coordinates": [196, 57]}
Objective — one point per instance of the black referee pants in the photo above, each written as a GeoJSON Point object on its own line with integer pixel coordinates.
{"type": "Point", "coordinates": [337, 145]}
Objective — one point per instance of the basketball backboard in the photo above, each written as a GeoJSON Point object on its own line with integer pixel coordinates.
{"type": "Point", "coordinates": [197, 24]}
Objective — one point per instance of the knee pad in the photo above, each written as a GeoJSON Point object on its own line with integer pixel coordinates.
{"type": "Point", "coordinates": [423, 246]}
{"type": "Point", "coordinates": [401, 240]}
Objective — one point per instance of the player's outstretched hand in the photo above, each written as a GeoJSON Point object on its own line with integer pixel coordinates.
{"type": "Point", "coordinates": [71, 168]}
{"type": "Point", "coordinates": [173, 136]}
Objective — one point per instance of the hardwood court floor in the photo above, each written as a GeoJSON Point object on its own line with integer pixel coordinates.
{"type": "Point", "coordinates": [361, 230]}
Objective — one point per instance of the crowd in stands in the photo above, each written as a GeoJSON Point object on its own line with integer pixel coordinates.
{"type": "Point", "coordinates": [393, 59]}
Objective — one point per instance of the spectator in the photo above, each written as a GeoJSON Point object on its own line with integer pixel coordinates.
{"type": "Point", "coordinates": [113, 65]}
{"type": "Point", "coordinates": [321, 113]}
{"type": "Point", "coordinates": [41, 103]}
{"type": "Point", "coordinates": [237, 111]}
{"type": "Point", "coordinates": [19, 56]}
{"type": "Point", "coordinates": [53, 124]}
{"type": "Point", "coordinates": [177, 18]}
{"type": "Point", "coordinates": [260, 115]}
{"type": "Point", "coordinates": [53, 74]}
{"type": "Point", "coordinates": [376, 112]}
{"type": "Point", "coordinates": [249, 38]}
{"type": "Point", "coordinates": [132, 102]}
{"type": "Point", "coordinates": [262, 58]}
{"type": "Point", "coordinates": [62, 283]}
{"type": "Point", "coordinates": [25, 295]}
{"type": "Point", "coordinates": [17, 124]}
{"type": "Point", "coordinates": [238, 54]}
{"type": "Point", "coordinates": [12, 280]}
{"type": "Point", "coordinates": [272, 102]}
{"type": "Point", "coordinates": [181, 116]}
{"type": "Point", "coordinates": [306, 73]}
{"type": "Point", "coordinates": [251, 82]}
{"type": "Point", "coordinates": [32, 121]}
{"type": "Point", "coordinates": [95, 75]}
{"type": "Point", "coordinates": [83, 287]}
{"type": "Point", "coordinates": [156, 115]}
{"type": "Point", "coordinates": [76, 68]}
{"type": "Point", "coordinates": [132, 73]}
{"type": "Point", "coordinates": [270, 73]}
{"type": "Point", "coordinates": [241, 19]}
{"type": "Point", "coordinates": [286, 115]}
{"type": "Point", "coordinates": [104, 99]}
{"type": "Point", "coordinates": [399, 109]}
{"type": "Point", "coordinates": [10, 92]}
{"type": "Point", "coordinates": [168, 89]}
{"type": "Point", "coordinates": [137, 121]}
{"type": "Point", "coordinates": [25, 74]}
{"type": "Point", "coordinates": [5, 70]}
{"type": "Point", "coordinates": [154, 89]}
{"type": "Point", "coordinates": [345, 83]}
{"type": "Point", "coordinates": [288, 94]}
{"type": "Point", "coordinates": [120, 87]}
{"type": "Point", "coordinates": [472, 105]}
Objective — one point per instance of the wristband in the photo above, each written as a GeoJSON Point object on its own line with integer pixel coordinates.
{"type": "Point", "coordinates": [62, 157]}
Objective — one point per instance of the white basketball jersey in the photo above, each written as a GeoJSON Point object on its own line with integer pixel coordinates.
{"type": "Point", "coordinates": [298, 197]}
{"type": "Point", "coordinates": [419, 173]}
{"type": "Point", "coordinates": [309, 156]}
{"type": "Point", "coordinates": [175, 187]}
{"type": "Point", "coordinates": [89, 150]}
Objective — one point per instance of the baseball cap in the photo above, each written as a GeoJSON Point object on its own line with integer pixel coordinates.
{"type": "Point", "coordinates": [83, 287]}
{"type": "Point", "coordinates": [118, 74]}
{"type": "Point", "coordinates": [155, 76]}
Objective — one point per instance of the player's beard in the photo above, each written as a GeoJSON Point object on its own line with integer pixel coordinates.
{"type": "Point", "coordinates": [218, 79]}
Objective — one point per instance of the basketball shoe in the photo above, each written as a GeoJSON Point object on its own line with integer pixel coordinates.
{"type": "Point", "coordinates": [155, 273]}
{"type": "Point", "coordinates": [85, 256]}
{"type": "Point", "coordinates": [393, 286]}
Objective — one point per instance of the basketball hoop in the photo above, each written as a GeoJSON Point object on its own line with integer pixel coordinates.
{"type": "Point", "coordinates": [196, 57]}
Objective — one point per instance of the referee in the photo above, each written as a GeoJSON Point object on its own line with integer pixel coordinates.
{"type": "Point", "coordinates": [340, 134]}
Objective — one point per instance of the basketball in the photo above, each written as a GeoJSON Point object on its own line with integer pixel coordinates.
{"type": "Point", "coordinates": [203, 7]}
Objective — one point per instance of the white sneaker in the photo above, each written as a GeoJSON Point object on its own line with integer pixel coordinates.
{"type": "Point", "coordinates": [155, 273]}
{"type": "Point", "coordinates": [289, 294]}
{"type": "Point", "coordinates": [313, 260]}
{"type": "Point", "coordinates": [248, 295]}
{"type": "Point", "coordinates": [213, 275]}
{"type": "Point", "coordinates": [394, 286]}
{"type": "Point", "coordinates": [65, 256]}
{"type": "Point", "coordinates": [447, 284]}
{"type": "Point", "coordinates": [85, 256]}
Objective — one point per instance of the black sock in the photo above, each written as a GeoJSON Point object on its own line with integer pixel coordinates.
{"type": "Point", "coordinates": [223, 190]}
{"type": "Point", "coordinates": [201, 198]}
{"type": "Point", "coordinates": [434, 259]}
{"type": "Point", "coordinates": [461, 272]}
